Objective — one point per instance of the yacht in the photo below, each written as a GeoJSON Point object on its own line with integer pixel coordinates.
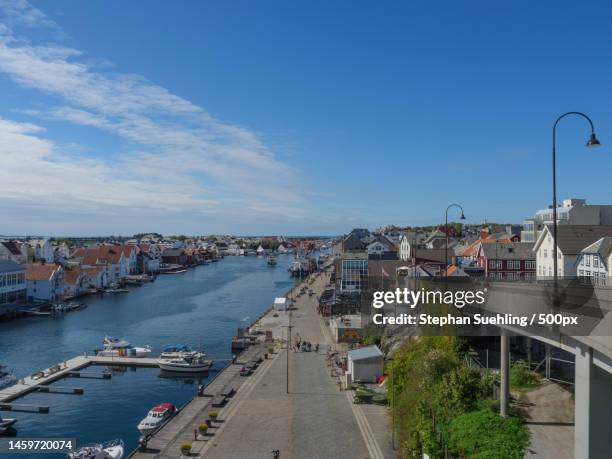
{"type": "Point", "coordinates": [111, 450]}
{"type": "Point", "coordinates": [176, 351]}
{"type": "Point", "coordinates": [272, 260]}
{"type": "Point", "coordinates": [156, 417]}
{"type": "Point", "coordinates": [115, 347]}
{"type": "Point", "coordinates": [7, 378]}
{"type": "Point", "coordinates": [195, 363]}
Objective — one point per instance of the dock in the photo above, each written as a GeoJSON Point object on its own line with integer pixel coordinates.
{"type": "Point", "coordinates": [227, 387]}
{"type": "Point", "coordinates": [70, 368]}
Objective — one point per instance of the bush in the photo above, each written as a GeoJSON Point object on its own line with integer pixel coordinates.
{"type": "Point", "coordinates": [486, 435]}
{"type": "Point", "coordinates": [521, 376]}
{"type": "Point", "coordinates": [203, 428]}
{"type": "Point", "coordinates": [186, 447]}
{"type": "Point", "coordinates": [213, 415]}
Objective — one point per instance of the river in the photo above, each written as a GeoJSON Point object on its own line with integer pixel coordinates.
{"type": "Point", "coordinates": [202, 307]}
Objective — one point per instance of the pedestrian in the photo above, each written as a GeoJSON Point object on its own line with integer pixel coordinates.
{"type": "Point", "coordinates": [195, 434]}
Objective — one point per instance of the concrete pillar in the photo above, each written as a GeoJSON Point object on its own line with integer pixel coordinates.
{"type": "Point", "coordinates": [504, 396]}
{"type": "Point", "coordinates": [593, 409]}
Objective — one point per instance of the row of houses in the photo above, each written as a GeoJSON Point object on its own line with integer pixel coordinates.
{"type": "Point", "coordinates": [584, 250]}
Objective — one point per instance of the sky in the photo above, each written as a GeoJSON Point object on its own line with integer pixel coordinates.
{"type": "Point", "coordinates": [304, 117]}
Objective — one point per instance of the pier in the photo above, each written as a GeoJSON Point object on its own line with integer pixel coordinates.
{"type": "Point", "coordinates": [70, 368]}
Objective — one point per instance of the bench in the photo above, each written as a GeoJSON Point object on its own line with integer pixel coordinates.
{"type": "Point", "coordinates": [218, 401]}
{"type": "Point", "coordinates": [228, 391]}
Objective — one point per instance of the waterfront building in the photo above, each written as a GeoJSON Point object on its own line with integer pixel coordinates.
{"type": "Point", "coordinates": [45, 281]}
{"type": "Point", "coordinates": [410, 241]}
{"type": "Point", "coordinates": [98, 276]}
{"type": "Point", "coordinates": [174, 256]}
{"type": "Point", "coordinates": [352, 272]}
{"type": "Point", "coordinates": [12, 282]}
{"type": "Point", "coordinates": [111, 257]}
{"type": "Point", "coordinates": [571, 240]}
{"type": "Point", "coordinates": [76, 282]}
{"type": "Point", "coordinates": [382, 248]}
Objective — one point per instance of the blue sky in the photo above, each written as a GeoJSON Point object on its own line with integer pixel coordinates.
{"type": "Point", "coordinates": [295, 117]}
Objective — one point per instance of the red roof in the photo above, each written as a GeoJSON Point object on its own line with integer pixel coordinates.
{"type": "Point", "coordinates": [40, 271]}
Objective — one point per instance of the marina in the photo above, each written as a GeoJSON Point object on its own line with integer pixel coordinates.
{"type": "Point", "coordinates": [202, 307]}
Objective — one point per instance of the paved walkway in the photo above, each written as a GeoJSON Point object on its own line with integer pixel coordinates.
{"type": "Point", "coordinates": [550, 417]}
{"type": "Point", "coordinates": [315, 420]}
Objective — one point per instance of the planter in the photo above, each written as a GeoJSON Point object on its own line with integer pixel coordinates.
{"type": "Point", "coordinates": [185, 449]}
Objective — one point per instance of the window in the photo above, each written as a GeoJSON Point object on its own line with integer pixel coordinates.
{"type": "Point", "coordinates": [581, 272]}
{"type": "Point", "coordinates": [595, 261]}
{"type": "Point", "coordinates": [530, 264]}
{"type": "Point", "coordinates": [492, 264]}
{"type": "Point", "coordinates": [545, 253]}
{"type": "Point", "coordinates": [514, 264]}
{"type": "Point", "coordinates": [587, 260]}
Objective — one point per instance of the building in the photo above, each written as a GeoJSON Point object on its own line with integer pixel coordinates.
{"type": "Point", "coordinates": [382, 248]}
{"type": "Point", "coordinates": [76, 282]}
{"type": "Point", "coordinates": [43, 250]}
{"type": "Point", "coordinates": [346, 329]}
{"type": "Point", "coordinates": [352, 243]}
{"type": "Point", "coordinates": [351, 272]}
{"type": "Point", "coordinates": [98, 276]}
{"type": "Point", "coordinates": [174, 256]}
{"type": "Point", "coordinates": [45, 281]}
{"type": "Point", "coordinates": [508, 260]}
{"type": "Point", "coordinates": [365, 364]}
{"type": "Point", "coordinates": [110, 257]}
{"type": "Point", "coordinates": [13, 285]}
{"type": "Point", "coordinates": [14, 251]}
{"type": "Point", "coordinates": [593, 263]}
{"type": "Point", "coordinates": [408, 242]}
{"type": "Point", "coordinates": [572, 212]}
{"type": "Point", "coordinates": [571, 240]}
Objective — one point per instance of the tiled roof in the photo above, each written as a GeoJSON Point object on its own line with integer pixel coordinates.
{"type": "Point", "coordinates": [571, 239]}
{"type": "Point", "coordinates": [104, 254]}
{"type": "Point", "coordinates": [40, 271]}
{"type": "Point", "coordinates": [71, 276]}
{"type": "Point", "coordinates": [12, 247]}
{"type": "Point", "coordinates": [509, 251]}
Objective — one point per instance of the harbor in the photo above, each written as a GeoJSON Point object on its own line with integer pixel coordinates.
{"type": "Point", "coordinates": [203, 306]}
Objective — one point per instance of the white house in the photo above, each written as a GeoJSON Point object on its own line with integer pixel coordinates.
{"type": "Point", "coordinates": [43, 250]}
{"type": "Point", "coordinates": [76, 282]}
{"type": "Point", "coordinates": [365, 364]}
{"type": "Point", "coordinates": [12, 282]}
{"type": "Point", "coordinates": [45, 281]}
{"type": "Point", "coordinates": [98, 276]}
{"type": "Point", "coordinates": [571, 239]}
{"type": "Point", "coordinates": [111, 257]}
{"type": "Point", "coordinates": [593, 263]}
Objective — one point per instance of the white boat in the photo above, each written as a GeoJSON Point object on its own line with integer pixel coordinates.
{"type": "Point", "coordinates": [5, 423]}
{"type": "Point", "coordinates": [115, 347]}
{"type": "Point", "coordinates": [111, 450]}
{"type": "Point", "coordinates": [156, 417]}
{"type": "Point", "coordinates": [176, 351]}
{"type": "Point", "coordinates": [196, 363]}
{"type": "Point", "coordinates": [272, 260]}
{"type": "Point", "coordinates": [7, 378]}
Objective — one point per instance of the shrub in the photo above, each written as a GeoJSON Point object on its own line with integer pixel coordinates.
{"type": "Point", "coordinates": [521, 376]}
{"type": "Point", "coordinates": [213, 415]}
{"type": "Point", "coordinates": [186, 447]}
{"type": "Point", "coordinates": [486, 435]}
{"type": "Point", "coordinates": [203, 428]}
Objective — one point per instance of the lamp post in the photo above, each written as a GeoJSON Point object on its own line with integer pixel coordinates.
{"type": "Point", "coordinates": [446, 231]}
{"type": "Point", "coordinates": [592, 142]}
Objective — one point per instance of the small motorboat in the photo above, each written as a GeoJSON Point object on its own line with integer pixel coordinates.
{"type": "Point", "coordinates": [5, 423]}
{"type": "Point", "coordinates": [112, 450]}
{"type": "Point", "coordinates": [7, 378]}
{"type": "Point", "coordinates": [156, 417]}
{"type": "Point", "coordinates": [115, 347]}
{"type": "Point", "coordinates": [272, 260]}
{"type": "Point", "coordinates": [196, 363]}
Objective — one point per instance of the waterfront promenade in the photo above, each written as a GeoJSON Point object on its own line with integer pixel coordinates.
{"type": "Point", "coordinates": [315, 419]}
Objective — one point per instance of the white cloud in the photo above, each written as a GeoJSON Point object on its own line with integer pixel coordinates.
{"type": "Point", "coordinates": [177, 157]}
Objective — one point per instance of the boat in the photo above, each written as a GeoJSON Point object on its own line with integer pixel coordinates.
{"type": "Point", "coordinates": [5, 423]}
{"type": "Point", "coordinates": [7, 378]}
{"type": "Point", "coordinates": [176, 351]}
{"type": "Point", "coordinates": [111, 450]}
{"type": "Point", "coordinates": [272, 260]}
{"type": "Point", "coordinates": [196, 363]}
{"type": "Point", "coordinates": [156, 417]}
{"type": "Point", "coordinates": [115, 347]}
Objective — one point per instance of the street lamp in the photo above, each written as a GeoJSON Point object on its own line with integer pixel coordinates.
{"type": "Point", "coordinates": [591, 143]}
{"type": "Point", "coordinates": [446, 231]}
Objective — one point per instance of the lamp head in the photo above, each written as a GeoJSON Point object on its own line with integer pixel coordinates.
{"type": "Point", "coordinates": [593, 142]}
{"type": "Point", "coordinates": [462, 216]}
